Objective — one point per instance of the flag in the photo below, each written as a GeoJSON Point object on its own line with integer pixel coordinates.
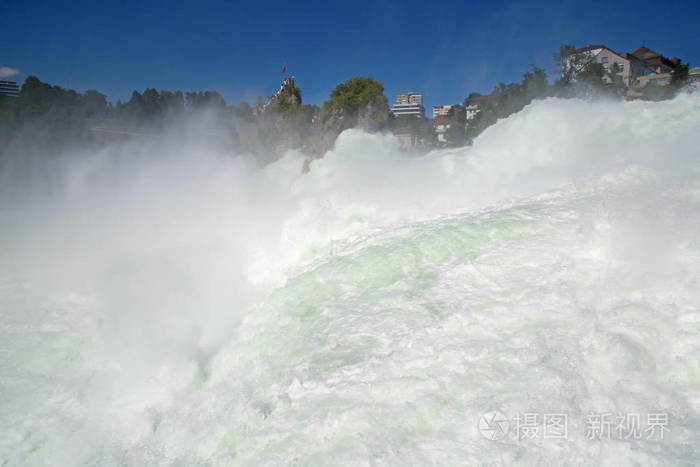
{"type": "Point", "coordinates": [284, 68]}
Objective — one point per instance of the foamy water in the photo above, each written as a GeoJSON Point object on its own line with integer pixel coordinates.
{"type": "Point", "coordinates": [173, 305]}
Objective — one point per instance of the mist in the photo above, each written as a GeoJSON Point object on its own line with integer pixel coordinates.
{"type": "Point", "coordinates": [174, 300]}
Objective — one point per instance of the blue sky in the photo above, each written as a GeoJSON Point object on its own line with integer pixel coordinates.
{"type": "Point", "coordinates": [443, 49]}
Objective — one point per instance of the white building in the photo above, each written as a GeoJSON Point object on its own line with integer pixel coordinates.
{"type": "Point", "coordinates": [409, 104]}
{"type": "Point", "coordinates": [663, 79]}
{"type": "Point", "coordinates": [9, 88]}
{"type": "Point", "coordinates": [441, 110]}
{"type": "Point", "coordinates": [471, 109]}
{"type": "Point", "coordinates": [472, 106]}
{"type": "Point", "coordinates": [629, 67]}
{"type": "Point", "coordinates": [441, 124]}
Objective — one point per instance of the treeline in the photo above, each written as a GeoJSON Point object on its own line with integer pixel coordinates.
{"type": "Point", "coordinates": [46, 118]}
{"type": "Point", "coordinates": [505, 100]}
{"type": "Point", "coordinates": [50, 118]}
{"type": "Point", "coordinates": [579, 77]}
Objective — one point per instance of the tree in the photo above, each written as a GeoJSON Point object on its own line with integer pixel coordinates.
{"type": "Point", "coordinates": [135, 109]}
{"type": "Point", "coordinates": [285, 123]}
{"type": "Point", "coordinates": [94, 104]}
{"type": "Point", "coordinates": [49, 118]}
{"type": "Point", "coordinates": [679, 76]}
{"type": "Point", "coordinates": [534, 84]}
{"type": "Point", "coordinates": [506, 99]}
{"type": "Point", "coordinates": [421, 128]}
{"type": "Point", "coordinates": [204, 100]}
{"type": "Point", "coordinates": [288, 101]}
{"type": "Point", "coordinates": [569, 62]}
{"type": "Point", "coordinates": [172, 103]}
{"type": "Point", "coordinates": [592, 75]}
{"type": "Point", "coordinates": [243, 111]}
{"type": "Point", "coordinates": [581, 75]}
{"type": "Point", "coordinates": [656, 92]}
{"type": "Point", "coordinates": [151, 104]}
{"type": "Point", "coordinates": [357, 102]}
{"type": "Point", "coordinates": [455, 134]}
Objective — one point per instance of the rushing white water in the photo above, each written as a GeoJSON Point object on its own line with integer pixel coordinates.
{"type": "Point", "coordinates": [170, 305]}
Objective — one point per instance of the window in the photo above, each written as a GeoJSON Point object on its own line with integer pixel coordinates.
{"type": "Point", "coordinates": [604, 60]}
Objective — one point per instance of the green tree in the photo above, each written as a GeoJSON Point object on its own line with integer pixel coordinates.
{"type": "Point", "coordinates": [569, 62]}
{"type": "Point", "coordinates": [592, 75]}
{"type": "Point", "coordinates": [288, 101]}
{"type": "Point", "coordinates": [679, 76]}
{"type": "Point", "coordinates": [359, 102]}
{"type": "Point", "coordinates": [152, 105]}
{"type": "Point", "coordinates": [535, 84]}
{"type": "Point", "coordinates": [204, 100]}
{"type": "Point", "coordinates": [656, 92]}
{"type": "Point", "coordinates": [581, 75]}
{"type": "Point", "coordinates": [285, 123]}
{"type": "Point", "coordinates": [49, 118]}
{"type": "Point", "coordinates": [94, 104]}
{"type": "Point", "coordinates": [455, 134]}
{"type": "Point", "coordinates": [421, 128]}
{"type": "Point", "coordinates": [243, 111]}
{"type": "Point", "coordinates": [506, 99]}
{"type": "Point", "coordinates": [135, 108]}
{"type": "Point", "coordinates": [172, 103]}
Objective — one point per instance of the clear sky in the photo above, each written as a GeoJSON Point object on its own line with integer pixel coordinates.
{"type": "Point", "coordinates": [443, 49]}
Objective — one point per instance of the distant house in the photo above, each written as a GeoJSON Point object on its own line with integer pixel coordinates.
{"type": "Point", "coordinates": [9, 88]}
{"type": "Point", "coordinates": [694, 75]}
{"type": "Point", "coordinates": [472, 109]}
{"type": "Point", "coordinates": [629, 66]}
{"type": "Point", "coordinates": [409, 104]}
{"type": "Point", "coordinates": [664, 78]}
{"type": "Point", "coordinates": [472, 105]}
{"type": "Point", "coordinates": [658, 78]}
{"type": "Point", "coordinates": [636, 69]}
{"type": "Point", "coordinates": [658, 67]}
{"type": "Point", "coordinates": [441, 110]}
{"type": "Point", "coordinates": [655, 61]}
{"type": "Point", "coordinates": [441, 124]}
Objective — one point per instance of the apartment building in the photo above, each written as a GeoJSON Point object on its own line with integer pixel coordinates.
{"type": "Point", "coordinates": [628, 66]}
{"type": "Point", "coordinates": [409, 104]}
{"type": "Point", "coordinates": [441, 110]}
{"type": "Point", "coordinates": [9, 88]}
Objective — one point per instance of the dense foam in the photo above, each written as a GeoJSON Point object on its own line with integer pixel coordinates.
{"type": "Point", "coordinates": [164, 304]}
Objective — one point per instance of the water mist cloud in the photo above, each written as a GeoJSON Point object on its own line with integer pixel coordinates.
{"type": "Point", "coordinates": [175, 301]}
